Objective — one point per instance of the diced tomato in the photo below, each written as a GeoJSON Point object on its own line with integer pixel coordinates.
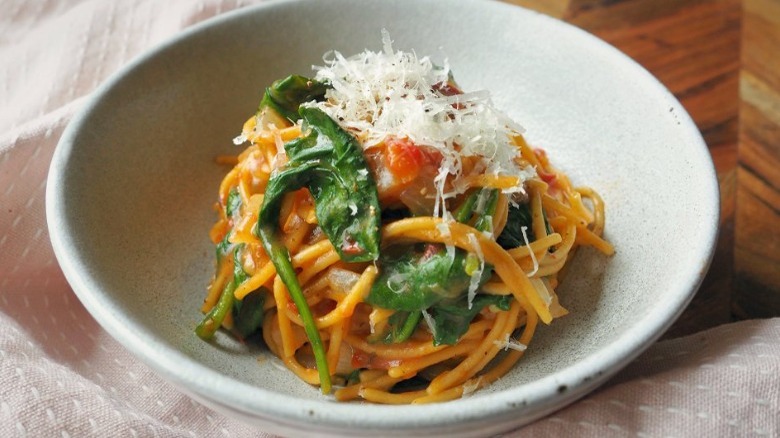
{"type": "Point", "coordinates": [362, 359]}
{"type": "Point", "coordinates": [429, 251]}
{"type": "Point", "coordinates": [446, 88]}
{"type": "Point", "coordinates": [399, 167]}
{"type": "Point", "coordinates": [404, 158]}
{"type": "Point", "coordinates": [449, 89]}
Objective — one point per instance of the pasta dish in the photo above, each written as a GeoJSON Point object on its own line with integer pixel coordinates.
{"type": "Point", "coordinates": [389, 236]}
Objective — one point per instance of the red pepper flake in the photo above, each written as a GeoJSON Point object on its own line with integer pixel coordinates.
{"type": "Point", "coordinates": [350, 246]}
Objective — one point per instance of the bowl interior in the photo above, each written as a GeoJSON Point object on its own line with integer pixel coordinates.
{"type": "Point", "coordinates": [135, 179]}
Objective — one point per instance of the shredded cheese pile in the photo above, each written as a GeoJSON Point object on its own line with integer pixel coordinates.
{"type": "Point", "coordinates": [378, 94]}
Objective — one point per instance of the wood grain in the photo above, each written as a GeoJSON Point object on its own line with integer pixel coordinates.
{"type": "Point", "coordinates": [757, 245]}
{"type": "Point", "coordinates": [692, 47]}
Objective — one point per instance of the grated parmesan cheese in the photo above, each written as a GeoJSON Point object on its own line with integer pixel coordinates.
{"type": "Point", "coordinates": [477, 274]}
{"type": "Point", "coordinates": [510, 343]}
{"type": "Point", "coordinates": [429, 322]}
{"type": "Point", "coordinates": [471, 385]}
{"type": "Point", "coordinates": [443, 228]}
{"type": "Point", "coordinates": [374, 95]}
{"type": "Point", "coordinates": [541, 289]}
{"type": "Point", "coordinates": [532, 254]}
{"type": "Point", "coordinates": [240, 139]}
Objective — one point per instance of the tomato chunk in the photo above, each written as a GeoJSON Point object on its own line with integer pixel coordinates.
{"type": "Point", "coordinates": [404, 158]}
{"type": "Point", "coordinates": [447, 88]}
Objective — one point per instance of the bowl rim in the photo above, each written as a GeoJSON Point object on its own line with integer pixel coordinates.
{"type": "Point", "coordinates": [536, 398]}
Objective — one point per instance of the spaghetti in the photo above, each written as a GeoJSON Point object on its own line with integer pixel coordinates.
{"type": "Point", "coordinates": [390, 234]}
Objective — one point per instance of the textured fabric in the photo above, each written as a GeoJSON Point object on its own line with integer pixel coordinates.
{"type": "Point", "coordinates": [721, 382]}
{"type": "Point", "coordinates": [61, 375]}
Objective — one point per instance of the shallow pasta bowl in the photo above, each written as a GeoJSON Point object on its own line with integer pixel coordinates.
{"type": "Point", "coordinates": [133, 181]}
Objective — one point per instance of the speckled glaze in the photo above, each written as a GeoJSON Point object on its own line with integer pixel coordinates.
{"type": "Point", "coordinates": [133, 181]}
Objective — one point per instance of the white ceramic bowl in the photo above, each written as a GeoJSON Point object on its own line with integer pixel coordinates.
{"type": "Point", "coordinates": [133, 180]}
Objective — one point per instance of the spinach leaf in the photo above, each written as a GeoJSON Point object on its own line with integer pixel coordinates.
{"type": "Point", "coordinates": [223, 249]}
{"type": "Point", "coordinates": [420, 276]}
{"type": "Point", "coordinates": [352, 378]}
{"type": "Point", "coordinates": [233, 202]}
{"type": "Point", "coordinates": [345, 195]}
{"type": "Point", "coordinates": [415, 277]}
{"type": "Point", "coordinates": [451, 319]}
{"type": "Point", "coordinates": [285, 95]}
{"type": "Point", "coordinates": [248, 313]}
{"type": "Point", "coordinates": [519, 216]}
{"type": "Point", "coordinates": [239, 276]}
{"type": "Point", "coordinates": [330, 163]}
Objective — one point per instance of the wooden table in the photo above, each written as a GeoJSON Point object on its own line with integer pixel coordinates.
{"type": "Point", "coordinates": [721, 58]}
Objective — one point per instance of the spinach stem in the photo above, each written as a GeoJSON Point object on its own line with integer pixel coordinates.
{"type": "Point", "coordinates": [281, 259]}
{"type": "Point", "coordinates": [409, 325]}
{"type": "Point", "coordinates": [213, 320]}
{"type": "Point", "coordinates": [463, 213]}
{"type": "Point", "coordinates": [484, 221]}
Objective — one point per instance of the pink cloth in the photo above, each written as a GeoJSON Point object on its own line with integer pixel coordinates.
{"type": "Point", "coordinates": [61, 375]}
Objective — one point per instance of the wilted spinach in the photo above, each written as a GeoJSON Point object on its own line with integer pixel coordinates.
{"type": "Point", "coordinates": [233, 202]}
{"type": "Point", "coordinates": [248, 313]}
{"type": "Point", "coordinates": [416, 277]}
{"type": "Point", "coordinates": [518, 216]}
{"type": "Point", "coordinates": [451, 319]}
{"type": "Point", "coordinates": [330, 163]}
{"type": "Point", "coordinates": [285, 95]}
